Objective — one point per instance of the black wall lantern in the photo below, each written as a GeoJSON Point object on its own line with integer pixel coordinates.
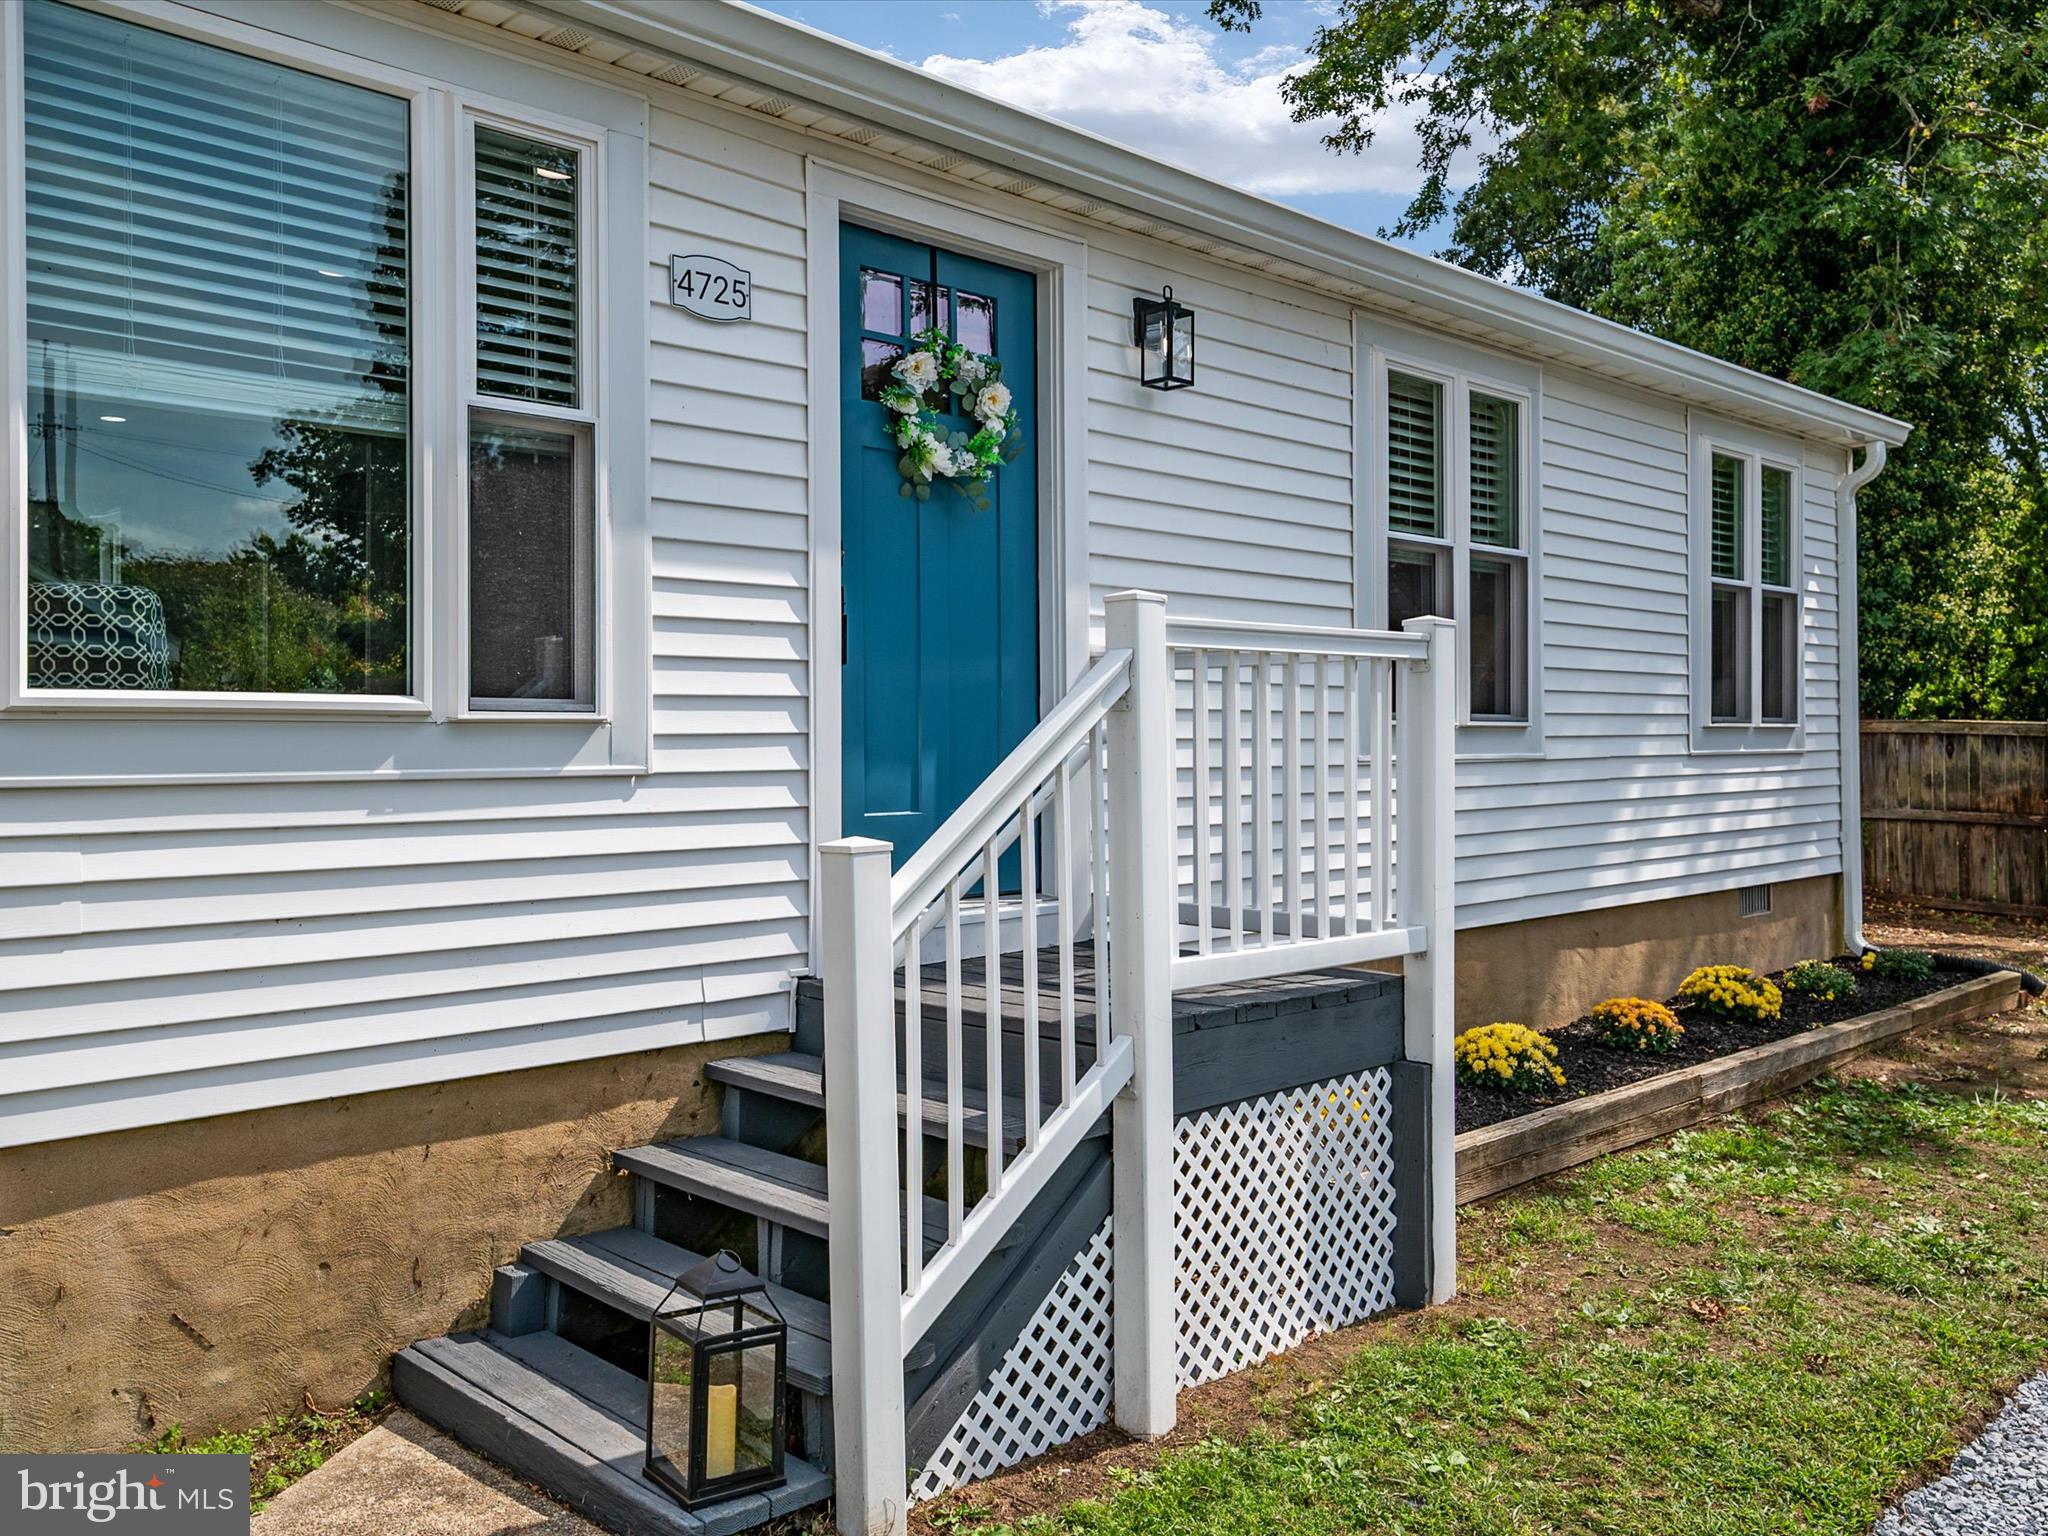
{"type": "Point", "coordinates": [717, 1362]}
{"type": "Point", "coordinates": [1164, 331]}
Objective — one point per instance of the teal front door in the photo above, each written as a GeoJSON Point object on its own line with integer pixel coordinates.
{"type": "Point", "coordinates": [941, 597]}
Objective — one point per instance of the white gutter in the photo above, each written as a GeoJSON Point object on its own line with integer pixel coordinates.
{"type": "Point", "coordinates": [871, 89]}
{"type": "Point", "coordinates": [1850, 703]}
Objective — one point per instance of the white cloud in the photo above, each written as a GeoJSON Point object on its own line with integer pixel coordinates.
{"type": "Point", "coordinates": [1145, 78]}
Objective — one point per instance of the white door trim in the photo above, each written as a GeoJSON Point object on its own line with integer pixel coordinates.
{"type": "Point", "coordinates": [835, 193]}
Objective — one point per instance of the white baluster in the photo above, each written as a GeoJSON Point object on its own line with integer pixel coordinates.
{"type": "Point", "coordinates": [1354, 906]}
{"type": "Point", "coordinates": [1233, 806]}
{"type": "Point", "coordinates": [992, 1016]}
{"type": "Point", "coordinates": [913, 1077]}
{"type": "Point", "coordinates": [1262, 801]}
{"type": "Point", "coordinates": [1382, 794]}
{"type": "Point", "coordinates": [1063, 893]}
{"type": "Point", "coordinates": [1198, 794]}
{"type": "Point", "coordinates": [1291, 789]}
{"type": "Point", "coordinates": [1027, 863]}
{"type": "Point", "coordinates": [956, 1050]}
{"type": "Point", "coordinates": [1325, 870]}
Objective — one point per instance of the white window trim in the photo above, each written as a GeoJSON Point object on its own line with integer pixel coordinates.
{"type": "Point", "coordinates": [60, 737]}
{"type": "Point", "coordinates": [1757, 451]}
{"type": "Point", "coordinates": [1380, 348]}
{"type": "Point", "coordinates": [592, 295]}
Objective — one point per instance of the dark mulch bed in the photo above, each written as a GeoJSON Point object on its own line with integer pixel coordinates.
{"type": "Point", "coordinates": [1590, 1067]}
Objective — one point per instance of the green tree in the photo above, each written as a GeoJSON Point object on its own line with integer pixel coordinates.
{"type": "Point", "coordinates": [1844, 193]}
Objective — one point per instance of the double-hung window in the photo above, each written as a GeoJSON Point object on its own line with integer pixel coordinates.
{"type": "Point", "coordinates": [1748, 652]}
{"type": "Point", "coordinates": [311, 383]}
{"type": "Point", "coordinates": [531, 527]}
{"type": "Point", "coordinates": [1453, 461]}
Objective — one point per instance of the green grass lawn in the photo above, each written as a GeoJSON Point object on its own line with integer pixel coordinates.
{"type": "Point", "coordinates": [1751, 1328]}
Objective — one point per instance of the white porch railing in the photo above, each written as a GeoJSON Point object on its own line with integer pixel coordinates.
{"type": "Point", "coordinates": [1212, 802]}
{"type": "Point", "coordinates": [1287, 821]}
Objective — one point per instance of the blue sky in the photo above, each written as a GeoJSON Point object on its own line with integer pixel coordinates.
{"type": "Point", "coordinates": [1155, 74]}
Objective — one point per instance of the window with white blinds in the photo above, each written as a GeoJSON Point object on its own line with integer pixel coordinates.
{"type": "Point", "coordinates": [221, 381]}
{"type": "Point", "coordinates": [1415, 457]}
{"type": "Point", "coordinates": [1751, 654]}
{"type": "Point", "coordinates": [1455, 544]}
{"type": "Point", "coordinates": [1777, 526]}
{"type": "Point", "coordinates": [532, 516]}
{"type": "Point", "coordinates": [527, 248]}
{"type": "Point", "coordinates": [1727, 493]}
{"type": "Point", "coordinates": [219, 368]}
{"type": "Point", "coordinates": [1496, 471]}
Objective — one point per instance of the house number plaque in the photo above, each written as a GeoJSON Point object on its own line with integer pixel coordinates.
{"type": "Point", "coordinates": [710, 289]}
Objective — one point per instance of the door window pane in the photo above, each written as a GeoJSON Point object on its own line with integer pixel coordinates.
{"type": "Point", "coordinates": [1415, 461]}
{"type": "Point", "coordinates": [1729, 645]}
{"type": "Point", "coordinates": [1499, 627]}
{"type": "Point", "coordinates": [526, 301]}
{"type": "Point", "coordinates": [921, 307]}
{"type": "Point", "coordinates": [881, 301]}
{"type": "Point", "coordinates": [218, 368]}
{"type": "Point", "coordinates": [878, 360]}
{"type": "Point", "coordinates": [531, 606]}
{"type": "Point", "coordinates": [977, 323]}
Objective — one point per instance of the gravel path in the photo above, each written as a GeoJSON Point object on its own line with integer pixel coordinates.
{"type": "Point", "coordinates": [1997, 1485]}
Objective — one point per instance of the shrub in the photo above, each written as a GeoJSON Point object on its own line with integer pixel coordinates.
{"type": "Point", "coordinates": [1821, 981]}
{"type": "Point", "coordinates": [1900, 964]}
{"type": "Point", "coordinates": [1731, 992]}
{"type": "Point", "coordinates": [1636, 1024]}
{"type": "Point", "coordinates": [1507, 1056]}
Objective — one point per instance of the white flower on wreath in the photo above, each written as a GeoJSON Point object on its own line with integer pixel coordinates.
{"type": "Point", "coordinates": [901, 401]}
{"type": "Point", "coordinates": [918, 370]}
{"type": "Point", "coordinates": [993, 403]}
{"type": "Point", "coordinates": [972, 370]}
{"type": "Point", "coordinates": [944, 461]}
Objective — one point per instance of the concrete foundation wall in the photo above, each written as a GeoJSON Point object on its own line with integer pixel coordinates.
{"type": "Point", "coordinates": [1548, 971]}
{"type": "Point", "coordinates": [217, 1272]}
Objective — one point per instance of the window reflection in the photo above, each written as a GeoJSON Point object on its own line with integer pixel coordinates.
{"type": "Point", "coordinates": [218, 369]}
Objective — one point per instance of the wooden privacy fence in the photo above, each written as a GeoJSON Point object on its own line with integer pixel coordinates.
{"type": "Point", "coordinates": [1956, 812]}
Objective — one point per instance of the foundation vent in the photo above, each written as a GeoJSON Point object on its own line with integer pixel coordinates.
{"type": "Point", "coordinates": [1756, 900]}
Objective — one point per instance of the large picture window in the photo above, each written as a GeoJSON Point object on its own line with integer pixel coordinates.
{"type": "Point", "coordinates": [218, 371]}
{"type": "Point", "coordinates": [1457, 528]}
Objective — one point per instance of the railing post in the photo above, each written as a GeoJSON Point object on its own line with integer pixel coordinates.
{"type": "Point", "coordinates": [866, 1264]}
{"type": "Point", "coordinates": [1426, 767]}
{"type": "Point", "coordinates": [1141, 929]}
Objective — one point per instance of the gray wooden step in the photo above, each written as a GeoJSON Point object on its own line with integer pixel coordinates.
{"type": "Point", "coordinates": [776, 1188]}
{"type": "Point", "coordinates": [631, 1271]}
{"type": "Point", "coordinates": [563, 1418]}
{"type": "Point", "coordinates": [799, 1078]}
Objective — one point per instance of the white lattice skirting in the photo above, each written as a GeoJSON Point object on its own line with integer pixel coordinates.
{"type": "Point", "coordinates": [1283, 1229]}
{"type": "Point", "coordinates": [1052, 1387]}
{"type": "Point", "coordinates": [1284, 1221]}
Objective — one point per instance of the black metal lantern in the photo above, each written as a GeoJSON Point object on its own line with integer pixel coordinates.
{"type": "Point", "coordinates": [1164, 331]}
{"type": "Point", "coordinates": [717, 1361]}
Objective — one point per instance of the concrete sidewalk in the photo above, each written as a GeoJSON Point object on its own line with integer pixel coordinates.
{"type": "Point", "coordinates": [406, 1478]}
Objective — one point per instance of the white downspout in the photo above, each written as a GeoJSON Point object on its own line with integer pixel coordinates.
{"type": "Point", "coordinates": [1850, 703]}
